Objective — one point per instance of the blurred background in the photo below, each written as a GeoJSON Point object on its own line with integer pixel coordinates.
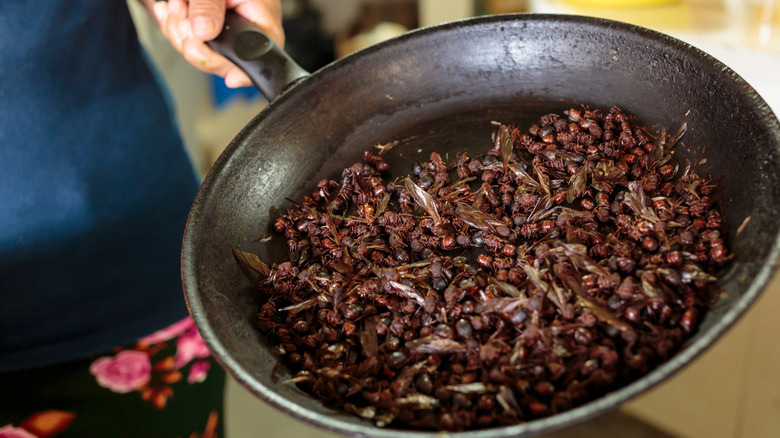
{"type": "Point", "coordinates": [733, 390]}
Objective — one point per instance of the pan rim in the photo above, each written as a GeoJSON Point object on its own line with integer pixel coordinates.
{"type": "Point", "coordinates": [568, 418]}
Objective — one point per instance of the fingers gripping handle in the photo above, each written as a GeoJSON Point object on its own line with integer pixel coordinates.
{"type": "Point", "coordinates": [269, 67]}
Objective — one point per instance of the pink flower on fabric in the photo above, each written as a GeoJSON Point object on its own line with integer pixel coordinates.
{"type": "Point", "coordinates": [122, 373]}
{"type": "Point", "coordinates": [14, 432]}
{"type": "Point", "coordinates": [198, 371]}
{"type": "Point", "coordinates": [169, 332]}
{"type": "Point", "coordinates": [190, 346]}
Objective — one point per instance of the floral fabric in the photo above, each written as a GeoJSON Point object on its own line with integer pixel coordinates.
{"type": "Point", "coordinates": [124, 372]}
{"type": "Point", "coordinates": [151, 368]}
{"type": "Point", "coordinates": [164, 385]}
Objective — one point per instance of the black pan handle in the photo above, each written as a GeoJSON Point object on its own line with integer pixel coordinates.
{"type": "Point", "coordinates": [269, 67]}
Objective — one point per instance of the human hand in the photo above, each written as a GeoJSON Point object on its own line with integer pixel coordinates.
{"type": "Point", "coordinates": [188, 24]}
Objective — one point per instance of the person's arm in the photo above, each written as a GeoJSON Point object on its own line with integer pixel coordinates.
{"type": "Point", "coordinates": [188, 24]}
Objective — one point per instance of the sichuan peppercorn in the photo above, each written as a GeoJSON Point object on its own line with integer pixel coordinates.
{"type": "Point", "coordinates": [580, 257]}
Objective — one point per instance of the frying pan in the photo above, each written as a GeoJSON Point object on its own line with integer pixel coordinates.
{"type": "Point", "coordinates": [438, 89]}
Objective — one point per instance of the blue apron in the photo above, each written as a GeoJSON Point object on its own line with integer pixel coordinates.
{"type": "Point", "coordinates": [95, 185]}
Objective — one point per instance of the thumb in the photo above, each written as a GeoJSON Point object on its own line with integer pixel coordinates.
{"type": "Point", "coordinates": [206, 18]}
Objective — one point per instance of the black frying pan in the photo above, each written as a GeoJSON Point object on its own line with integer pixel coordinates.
{"type": "Point", "coordinates": [437, 89]}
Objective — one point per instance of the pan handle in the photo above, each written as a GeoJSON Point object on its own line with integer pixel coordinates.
{"type": "Point", "coordinates": [269, 67]}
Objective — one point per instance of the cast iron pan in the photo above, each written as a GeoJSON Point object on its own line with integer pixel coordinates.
{"type": "Point", "coordinates": [437, 89]}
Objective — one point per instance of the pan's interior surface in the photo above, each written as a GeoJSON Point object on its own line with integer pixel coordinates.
{"type": "Point", "coordinates": [438, 89]}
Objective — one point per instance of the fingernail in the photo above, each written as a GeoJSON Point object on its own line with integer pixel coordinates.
{"type": "Point", "coordinates": [203, 24]}
{"type": "Point", "coordinates": [231, 82]}
{"type": "Point", "coordinates": [160, 9]}
{"type": "Point", "coordinates": [236, 80]}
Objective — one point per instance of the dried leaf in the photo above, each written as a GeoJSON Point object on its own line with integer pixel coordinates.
{"type": "Point", "coordinates": [507, 288]}
{"type": "Point", "coordinates": [405, 291]}
{"type": "Point", "coordinates": [579, 256]}
{"type": "Point", "coordinates": [367, 412]}
{"type": "Point", "coordinates": [463, 181]}
{"type": "Point", "coordinates": [332, 373]}
{"type": "Point", "coordinates": [607, 171]}
{"type": "Point", "coordinates": [298, 379]}
{"type": "Point", "coordinates": [334, 352]}
{"type": "Point", "coordinates": [535, 277]}
{"type": "Point", "coordinates": [478, 197]}
{"type": "Point", "coordinates": [334, 230]}
{"type": "Point", "coordinates": [252, 267]}
{"type": "Point", "coordinates": [569, 277]}
{"type": "Point", "coordinates": [506, 398]}
{"type": "Point", "coordinates": [315, 286]}
{"type": "Point", "coordinates": [476, 217]}
{"type": "Point", "coordinates": [556, 295]}
{"type": "Point", "coordinates": [636, 200]}
{"type": "Point", "coordinates": [382, 419]}
{"type": "Point", "coordinates": [468, 388]}
{"type": "Point", "coordinates": [380, 208]}
{"type": "Point", "coordinates": [252, 261]}
{"type": "Point", "coordinates": [368, 338]}
{"type": "Point", "coordinates": [577, 184]}
{"type": "Point", "coordinates": [648, 287]}
{"type": "Point", "coordinates": [423, 199]}
{"type": "Point", "coordinates": [544, 182]}
{"type": "Point", "coordinates": [659, 146]}
{"type": "Point", "coordinates": [504, 145]}
{"type": "Point", "coordinates": [383, 148]}
{"type": "Point", "coordinates": [500, 305]}
{"type": "Point", "coordinates": [679, 135]}
{"type": "Point", "coordinates": [339, 266]}
{"type": "Point", "coordinates": [743, 225]}
{"type": "Point", "coordinates": [435, 345]}
{"type": "Point", "coordinates": [543, 208]}
{"type": "Point", "coordinates": [691, 272]}
{"type": "Point", "coordinates": [603, 314]}
{"type": "Point", "coordinates": [524, 176]}
{"type": "Point", "coordinates": [566, 156]}
{"type": "Point", "coordinates": [419, 401]}
{"type": "Point", "coordinates": [406, 377]}
{"type": "Point", "coordinates": [303, 305]}
{"type": "Point", "coordinates": [412, 266]}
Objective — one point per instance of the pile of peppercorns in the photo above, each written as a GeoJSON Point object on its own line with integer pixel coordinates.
{"type": "Point", "coordinates": [561, 264]}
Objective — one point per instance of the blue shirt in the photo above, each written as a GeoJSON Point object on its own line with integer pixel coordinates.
{"type": "Point", "coordinates": [95, 185]}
